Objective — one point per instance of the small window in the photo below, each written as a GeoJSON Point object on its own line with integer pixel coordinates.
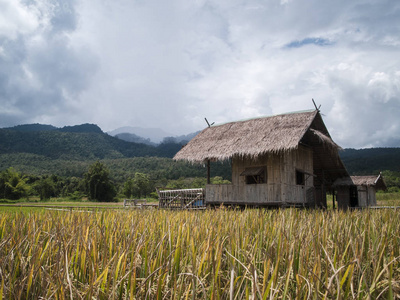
{"type": "Point", "coordinates": [300, 178]}
{"type": "Point", "coordinates": [255, 175]}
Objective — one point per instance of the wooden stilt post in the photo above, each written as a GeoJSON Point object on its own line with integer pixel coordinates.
{"type": "Point", "coordinates": [323, 191]}
{"type": "Point", "coordinates": [208, 172]}
{"type": "Point", "coordinates": [208, 161]}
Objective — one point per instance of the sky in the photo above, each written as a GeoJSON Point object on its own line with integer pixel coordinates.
{"type": "Point", "coordinates": [170, 64]}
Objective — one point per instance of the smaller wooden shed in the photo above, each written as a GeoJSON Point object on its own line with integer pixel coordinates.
{"type": "Point", "coordinates": [358, 191]}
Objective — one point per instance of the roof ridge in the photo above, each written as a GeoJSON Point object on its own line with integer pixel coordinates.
{"type": "Point", "coordinates": [265, 117]}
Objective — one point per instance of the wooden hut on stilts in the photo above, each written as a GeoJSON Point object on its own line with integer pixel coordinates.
{"type": "Point", "coordinates": [282, 160]}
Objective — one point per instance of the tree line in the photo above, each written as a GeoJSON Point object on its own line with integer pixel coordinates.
{"type": "Point", "coordinates": [96, 184]}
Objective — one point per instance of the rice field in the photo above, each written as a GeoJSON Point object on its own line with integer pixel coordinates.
{"type": "Point", "coordinates": [212, 254]}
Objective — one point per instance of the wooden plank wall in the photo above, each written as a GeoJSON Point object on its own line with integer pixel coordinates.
{"type": "Point", "coordinates": [302, 160]}
{"type": "Point", "coordinates": [372, 196]}
{"type": "Point", "coordinates": [366, 196]}
{"type": "Point", "coordinates": [281, 180]}
{"type": "Point", "coordinates": [362, 192]}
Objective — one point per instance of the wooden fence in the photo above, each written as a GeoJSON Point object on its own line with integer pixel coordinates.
{"type": "Point", "coordinates": [181, 199]}
{"type": "Point", "coordinates": [134, 202]}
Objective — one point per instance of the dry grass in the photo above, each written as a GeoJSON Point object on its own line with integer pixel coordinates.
{"type": "Point", "coordinates": [218, 254]}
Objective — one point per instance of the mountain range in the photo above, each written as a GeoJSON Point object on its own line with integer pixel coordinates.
{"type": "Point", "coordinates": [88, 142]}
{"type": "Point", "coordinates": [80, 142]}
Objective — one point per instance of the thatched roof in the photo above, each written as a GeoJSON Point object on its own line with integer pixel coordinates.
{"type": "Point", "coordinates": [375, 181]}
{"type": "Point", "coordinates": [255, 137]}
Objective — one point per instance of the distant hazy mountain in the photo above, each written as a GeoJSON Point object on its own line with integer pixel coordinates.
{"type": "Point", "coordinates": [133, 138]}
{"type": "Point", "coordinates": [149, 136]}
{"type": "Point", "coordinates": [156, 135]}
{"type": "Point", "coordinates": [182, 139]}
{"type": "Point", "coordinates": [189, 136]}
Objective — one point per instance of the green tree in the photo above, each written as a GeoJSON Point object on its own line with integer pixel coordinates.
{"type": "Point", "coordinates": [13, 185]}
{"type": "Point", "coordinates": [45, 188]}
{"type": "Point", "coordinates": [177, 184]}
{"type": "Point", "coordinates": [129, 188]}
{"type": "Point", "coordinates": [141, 184]}
{"type": "Point", "coordinates": [219, 180]}
{"type": "Point", "coordinates": [98, 183]}
{"type": "Point", "coordinates": [73, 186]}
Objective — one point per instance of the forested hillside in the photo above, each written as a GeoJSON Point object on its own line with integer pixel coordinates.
{"type": "Point", "coordinates": [47, 150]}
{"type": "Point", "coordinates": [38, 150]}
{"type": "Point", "coordinates": [371, 161]}
{"type": "Point", "coordinates": [82, 142]}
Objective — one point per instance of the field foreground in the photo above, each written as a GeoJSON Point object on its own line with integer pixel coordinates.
{"type": "Point", "coordinates": [212, 254]}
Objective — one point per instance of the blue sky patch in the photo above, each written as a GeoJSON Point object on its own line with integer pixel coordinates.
{"type": "Point", "coordinates": [308, 41]}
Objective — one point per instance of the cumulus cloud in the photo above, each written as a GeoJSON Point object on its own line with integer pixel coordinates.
{"type": "Point", "coordinates": [169, 64]}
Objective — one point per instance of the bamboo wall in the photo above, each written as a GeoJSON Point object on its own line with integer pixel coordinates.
{"type": "Point", "coordinates": [280, 188]}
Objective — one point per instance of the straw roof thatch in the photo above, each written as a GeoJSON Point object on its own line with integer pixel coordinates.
{"type": "Point", "coordinates": [376, 181]}
{"type": "Point", "coordinates": [255, 137]}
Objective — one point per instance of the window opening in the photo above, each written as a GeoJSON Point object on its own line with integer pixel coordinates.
{"type": "Point", "coordinates": [255, 175]}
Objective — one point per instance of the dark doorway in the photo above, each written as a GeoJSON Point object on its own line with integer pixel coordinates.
{"type": "Point", "coordinates": [300, 178]}
{"type": "Point", "coordinates": [353, 196]}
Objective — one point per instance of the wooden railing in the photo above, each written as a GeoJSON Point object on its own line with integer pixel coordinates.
{"type": "Point", "coordinates": [260, 194]}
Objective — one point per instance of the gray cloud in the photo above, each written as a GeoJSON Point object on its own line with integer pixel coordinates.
{"type": "Point", "coordinates": [41, 72]}
{"type": "Point", "coordinates": [64, 16]}
{"type": "Point", "coordinates": [169, 64]}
